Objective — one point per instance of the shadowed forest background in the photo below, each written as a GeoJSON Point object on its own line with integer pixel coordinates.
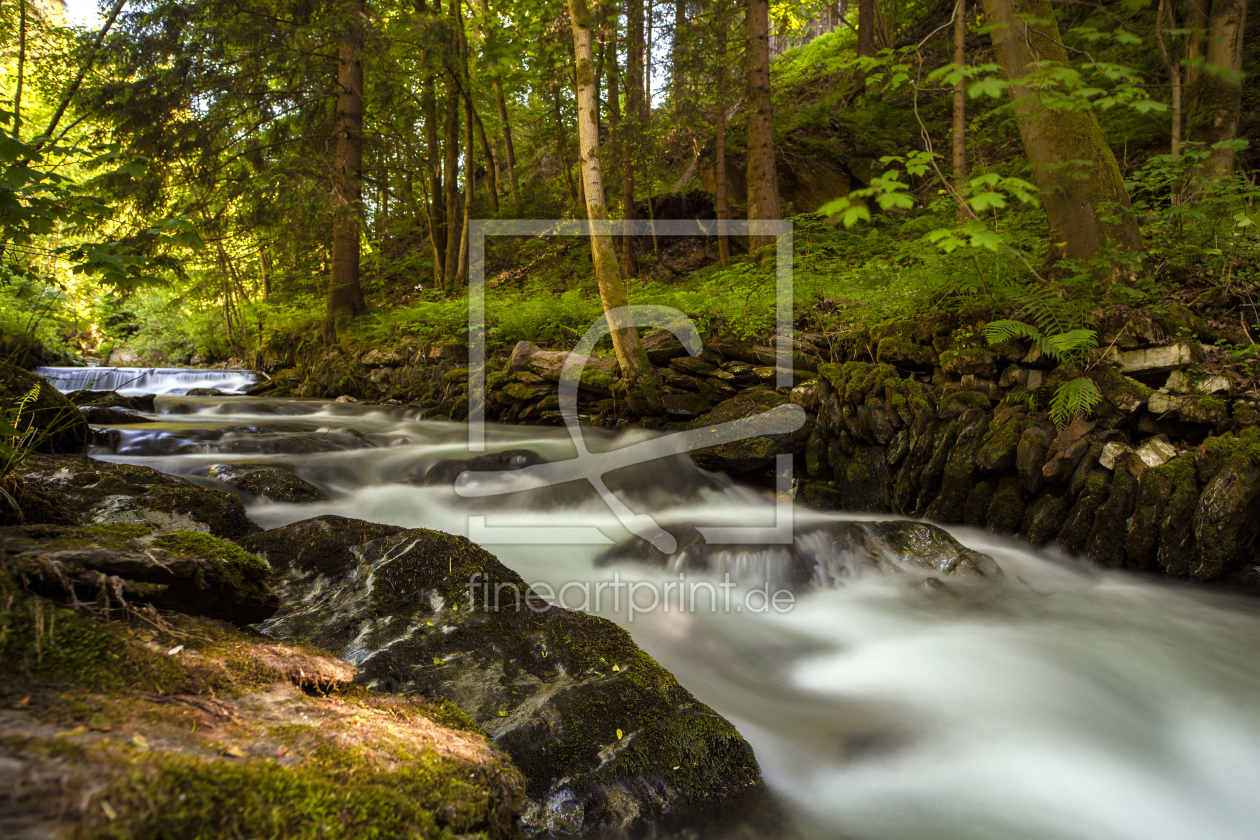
{"type": "Point", "coordinates": [211, 182]}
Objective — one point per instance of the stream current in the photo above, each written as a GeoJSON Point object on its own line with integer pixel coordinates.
{"type": "Point", "coordinates": [1055, 703]}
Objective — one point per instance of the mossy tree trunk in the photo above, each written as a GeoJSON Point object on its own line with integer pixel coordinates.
{"type": "Point", "coordinates": [1082, 190]}
{"type": "Point", "coordinates": [345, 295]}
{"type": "Point", "coordinates": [763, 180]}
{"type": "Point", "coordinates": [642, 388]}
{"type": "Point", "coordinates": [1214, 82]}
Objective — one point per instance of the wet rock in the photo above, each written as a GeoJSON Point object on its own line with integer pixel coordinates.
{"type": "Point", "coordinates": [956, 403]}
{"type": "Point", "coordinates": [1225, 521]}
{"type": "Point", "coordinates": [276, 483]}
{"type": "Point", "coordinates": [959, 470]}
{"type": "Point", "coordinates": [1000, 447]}
{"type": "Point", "coordinates": [821, 555]}
{"type": "Point", "coordinates": [551, 687]}
{"type": "Point", "coordinates": [58, 425]}
{"type": "Point", "coordinates": [113, 416]}
{"type": "Point", "coordinates": [187, 571]}
{"type": "Point", "coordinates": [864, 482]}
{"type": "Point", "coordinates": [1006, 508]}
{"type": "Point", "coordinates": [206, 392]}
{"type": "Point", "coordinates": [321, 546]}
{"type": "Point", "coordinates": [445, 473]}
{"type": "Point", "coordinates": [1175, 555]}
{"type": "Point", "coordinates": [693, 366]}
{"type": "Point", "coordinates": [684, 403]}
{"type": "Point", "coordinates": [661, 346]}
{"type": "Point", "coordinates": [76, 490]}
{"type": "Point", "coordinates": [1043, 518]}
{"type": "Point", "coordinates": [113, 399]}
{"type": "Point", "coordinates": [1107, 542]}
{"type": "Point", "coordinates": [1161, 359]}
{"type": "Point", "coordinates": [756, 451]}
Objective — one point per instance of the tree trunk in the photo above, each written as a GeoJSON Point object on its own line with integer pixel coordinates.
{"type": "Point", "coordinates": [763, 181]}
{"type": "Point", "coordinates": [1055, 139]}
{"type": "Point", "coordinates": [345, 295]}
{"type": "Point", "coordinates": [21, 71]}
{"type": "Point", "coordinates": [1216, 94]}
{"type": "Point", "coordinates": [503, 117]}
{"type": "Point", "coordinates": [1166, 17]}
{"type": "Point", "coordinates": [960, 94]}
{"type": "Point", "coordinates": [492, 181]}
{"type": "Point", "coordinates": [723, 201]}
{"type": "Point", "coordinates": [642, 388]}
{"type": "Point", "coordinates": [450, 176]}
{"type": "Point", "coordinates": [435, 206]}
{"type": "Point", "coordinates": [470, 172]}
{"type": "Point", "coordinates": [866, 37]}
{"type": "Point", "coordinates": [265, 272]}
{"type": "Point", "coordinates": [630, 135]}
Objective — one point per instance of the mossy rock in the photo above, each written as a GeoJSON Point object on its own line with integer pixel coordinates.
{"type": "Point", "coordinates": [1225, 521]}
{"type": "Point", "coordinates": [176, 728]}
{"type": "Point", "coordinates": [758, 449]}
{"type": "Point", "coordinates": [550, 686]}
{"type": "Point", "coordinates": [905, 355]}
{"type": "Point", "coordinates": [76, 490]}
{"type": "Point", "coordinates": [117, 565]}
{"type": "Point", "coordinates": [276, 483]}
{"type": "Point", "coordinates": [59, 426]}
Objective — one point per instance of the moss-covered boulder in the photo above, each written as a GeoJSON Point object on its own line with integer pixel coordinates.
{"type": "Point", "coordinates": [58, 425]}
{"type": "Point", "coordinates": [761, 441]}
{"type": "Point", "coordinates": [119, 565]}
{"type": "Point", "coordinates": [151, 727]}
{"type": "Point", "coordinates": [85, 491]}
{"type": "Point", "coordinates": [1225, 522]}
{"type": "Point", "coordinates": [276, 483]}
{"type": "Point", "coordinates": [603, 734]}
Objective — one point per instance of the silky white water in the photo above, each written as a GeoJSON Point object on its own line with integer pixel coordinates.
{"type": "Point", "coordinates": [1057, 702]}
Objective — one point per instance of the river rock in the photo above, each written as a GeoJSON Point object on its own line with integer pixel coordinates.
{"type": "Point", "coordinates": [112, 416]}
{"type": "Point", "coordinates": [58, 425]}
{"type": "Point", "coordinates": [661, 346]}
{"type": "Point", "coordinates": [85, 491]}
{"type": "Point", "coordinates": [600, 730]}
{"type": "Point", "coordinates": [1066, 451]}
{"type": "Point", "coordinates": [756, 451]}
{"type": "Point", "coordinates": [113, 399]}
{"type": "Point", "coordinates": [820, 555]}
{"type": "Point", "coordinates": [187, 571]}
{"type": "Point", "coordinates": [276, 483]}
{"type": "Point", "coordinates": [445, 473]}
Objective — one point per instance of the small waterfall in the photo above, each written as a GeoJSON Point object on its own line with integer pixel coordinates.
{"type": "Point", "coordinates": [159, 381]}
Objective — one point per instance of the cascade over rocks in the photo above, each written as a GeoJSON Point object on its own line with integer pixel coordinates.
{"type": "Point", "coordinates": [552, 687]}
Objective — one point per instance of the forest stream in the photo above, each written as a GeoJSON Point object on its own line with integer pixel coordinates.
{"type": "Point", "coordinates": [1054, 702]}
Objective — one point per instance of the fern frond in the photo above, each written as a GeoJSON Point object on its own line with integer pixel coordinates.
{"type": "Point", "coordinates": [1074, 398]}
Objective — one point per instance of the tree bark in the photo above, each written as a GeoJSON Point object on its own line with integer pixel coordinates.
{"type": "Point", "coordinates": [631, 125]}
{"type": "Point", "coordinates": [503, 116]}
{"type": "Point", "coordinates": [763, 180]}
{"type": "Point", "coordinates": [435, 205]}
{"type": "Point", "coordinates": [450, 176]}
{"type": "Point", "coordinates": [345, 295]}
{"type": "Point", "coordinates": [1216, 92]}
{"type": "Point", "coordinates": [1167, 15]}
{"type": "Point", "coordinates": [21, 71]}
{"type": "Point", "coordinates": [960, 94]}
{"type": "Point", "coordinates": [470, 171]}
{"type": "Point", "coordinates": [1055, 139]}
{"type": "Point", "coordinates": [723, 200]}
{"type": "Point", "coordinates": [642, 388]}
{"type": "Point", "coordinates": [866, 37]}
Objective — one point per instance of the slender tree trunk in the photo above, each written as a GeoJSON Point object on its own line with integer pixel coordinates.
{"type": "Point", "coordinates": [470, 169]}
{"type": "Point", "coordinates": [866, 36]}
{"type": "Point", "coordinates": [631, 124]}
{"type": "Point", "coordinates": [723, 201]}
{"type": "Point", "coordinates": [678, 60]}
{"type": "Point", "coordinates": [1216, 96]}
{"type": "Point", "coordinates": [21, 71]}
{"type": "Point", "coordinates": [960, 93]}
{"type": "Point", "coordinates": [450, 177]}
{"type": "Point", "coordinates": [562, 143]}
{"type": "Point", "coordinates": [435, 209]}
{"type": "Point", "coordinates": [502, 105]}
{"type": "Point", "coordinates": [645, 133]}
{"type": "Point", "coordinates": [345, 295]}
{"type": "Point", "coordinates": [616, 125]}
{"type": "Point", "coordinates": [642, 388]}
{"type": "Point", "coordinates": [1167, 16]}
{"type": "Point", "coordinates": [763, 180]}
{"type": "Point", "coordinates": [1057, 139]}
{"type": "Point", "coordinates": [264, 272]}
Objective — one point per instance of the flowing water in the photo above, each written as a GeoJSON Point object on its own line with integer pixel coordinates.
{"type": "Point", "coordinates": [1056, 702]}
{"type": "Point", "coordinates": [133, 381]}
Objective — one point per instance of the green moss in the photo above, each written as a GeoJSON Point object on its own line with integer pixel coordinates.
{"type": "Point", "coordinates": [234, 565]}
{"type": "Point", "coordinates": [456, 375]}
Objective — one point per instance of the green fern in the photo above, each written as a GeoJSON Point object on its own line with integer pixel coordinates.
{"type": "Point", "coordinates": [1064, 347]}
{"type": "Point", "coordinates": [1074, 398]}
